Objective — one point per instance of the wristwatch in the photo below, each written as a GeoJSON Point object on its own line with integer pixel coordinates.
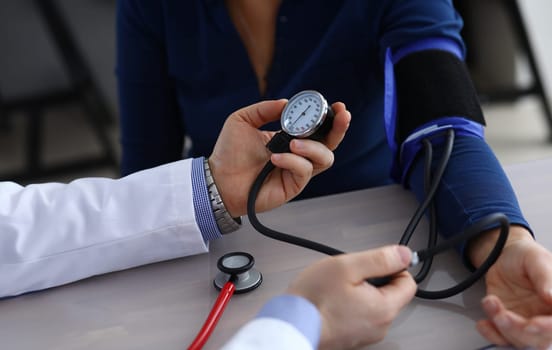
{"type": "Point", "coordinates": [225, 222]}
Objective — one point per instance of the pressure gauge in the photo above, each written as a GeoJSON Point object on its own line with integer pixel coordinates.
{"type": "Point", "coordinates": [307, 114]}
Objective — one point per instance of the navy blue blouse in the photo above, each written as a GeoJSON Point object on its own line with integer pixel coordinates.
{"type": "Point", "coordinates": [182, 69]}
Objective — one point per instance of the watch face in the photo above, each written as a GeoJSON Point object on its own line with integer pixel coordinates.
{"type": "Point", "coordinates": [304, 113]}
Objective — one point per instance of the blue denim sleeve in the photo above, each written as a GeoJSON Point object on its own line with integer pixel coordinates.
{"type": "Point", "coordinates": [474, 185]}
{"type": "Point", "coordinates": [404, 22]}
{"type": "Point", "coordinates": [151, 130]}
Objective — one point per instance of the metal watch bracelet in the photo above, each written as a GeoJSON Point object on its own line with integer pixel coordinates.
{"type": "Point", "coordinates": [225, 222]}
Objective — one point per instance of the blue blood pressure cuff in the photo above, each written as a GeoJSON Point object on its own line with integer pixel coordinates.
{"type": "Point", "coordinates": [427, 91]}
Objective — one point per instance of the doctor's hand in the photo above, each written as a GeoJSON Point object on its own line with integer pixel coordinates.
{"type": "Point", "coordinates": [240, 153]}
{"type": "Point", "coordinates": [355, 313]}
{"type": "Point", "coordinates": [518, 304]}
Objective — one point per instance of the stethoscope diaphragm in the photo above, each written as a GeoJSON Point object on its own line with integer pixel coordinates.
{"type": "Point", "coordinates": [237, 267]}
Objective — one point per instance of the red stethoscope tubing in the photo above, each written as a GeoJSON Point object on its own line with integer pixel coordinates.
{"type": "Point", "coordinates": [216, 312]}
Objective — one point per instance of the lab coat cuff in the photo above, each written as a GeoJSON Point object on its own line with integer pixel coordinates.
{"type": "Point", "coordinates": [202, 205]}
{"type": "Point", "coordinates": [297, 311]}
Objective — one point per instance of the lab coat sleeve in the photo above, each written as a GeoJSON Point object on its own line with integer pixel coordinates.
{"type": "Point", "coordinates": [52, 233]}
{"type": "Point", "coordinates": [284, 322]}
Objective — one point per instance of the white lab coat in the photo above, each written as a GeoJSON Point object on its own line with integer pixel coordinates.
{"type": "Point", "coordinates": [268, 334]}
{"type": "Point", "coordinates": [52, 234]}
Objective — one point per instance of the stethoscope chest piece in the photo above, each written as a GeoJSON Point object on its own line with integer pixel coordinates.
{"type": "Point", "coordinates": [238, 267]}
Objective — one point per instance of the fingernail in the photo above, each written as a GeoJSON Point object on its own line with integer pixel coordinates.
{"type": "Point", "coordinates": [490, 305]}
{"type": "Point", "coordinates": [298, 143]}
{"type": "Point", "coordinates": [532, 329]}
{"type": "Point", "coordinates": [276, 156]}
{"type": "Point", "coordinates": [405, 254]}
{"type": "Point", "coordinates": [502, 321]}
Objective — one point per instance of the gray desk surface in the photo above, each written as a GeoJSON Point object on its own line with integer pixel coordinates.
{"type": "Point", "coordinates": [162, 306]}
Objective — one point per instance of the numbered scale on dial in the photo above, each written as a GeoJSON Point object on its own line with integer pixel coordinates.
{"type": "Point", "coordinates": [307, 114]}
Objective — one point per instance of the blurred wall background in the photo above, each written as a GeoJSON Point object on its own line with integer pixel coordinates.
{"type": "Point", "coordinates": [539, 25]}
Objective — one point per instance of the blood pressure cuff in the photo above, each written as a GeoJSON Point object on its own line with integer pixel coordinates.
{"type": "Point", "coordinates": [427, 90]}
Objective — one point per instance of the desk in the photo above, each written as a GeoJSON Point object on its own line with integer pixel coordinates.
{"type": "Point", "coordinates": [162, 306]}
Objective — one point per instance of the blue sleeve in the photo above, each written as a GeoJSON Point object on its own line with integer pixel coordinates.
{"type": "Point", "coordinates": [474, 185]}
{"type": "Point", "coordinates": [151, 132]}
{"type": "Point", "coordinates": [404, 22]}
{"type": "Point", "coordinates": [202, 206]}
{"type": "Point", "coordinates": [297, 311]}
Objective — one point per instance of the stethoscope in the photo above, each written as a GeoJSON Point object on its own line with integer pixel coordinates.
{"type": "Point", "coordinates": [237, 275]}
{"type": "Point", "coordinates": [308, 115]}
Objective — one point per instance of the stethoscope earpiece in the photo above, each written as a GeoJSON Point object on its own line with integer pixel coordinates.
{"type": "Point", "coordinates": [237, 267]}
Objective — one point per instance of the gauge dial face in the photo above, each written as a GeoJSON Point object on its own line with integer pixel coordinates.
{"type": "Point", "coordinates": [304, 113]}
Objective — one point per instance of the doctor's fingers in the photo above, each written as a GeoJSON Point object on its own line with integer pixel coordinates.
{"type": "Point", "coordinates": [300, 168]}
{"type": "Point", "coordinates": [260, 113]}
{"type": "Point", "coordinates": [399, 291]}
{"type": "Point", "coordinates": [379, 262]}
{"type": "Point", "coordinates": [318, 154]}
{"type": "Point", "coordinates": [340, 125]}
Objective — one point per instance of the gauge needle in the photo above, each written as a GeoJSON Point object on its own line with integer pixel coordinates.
{"type": "Point", "coordinates": [300, 115]}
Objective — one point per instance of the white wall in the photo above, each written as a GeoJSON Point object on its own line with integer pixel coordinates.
{"type": "Point", "coordinates": [537, 15]}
